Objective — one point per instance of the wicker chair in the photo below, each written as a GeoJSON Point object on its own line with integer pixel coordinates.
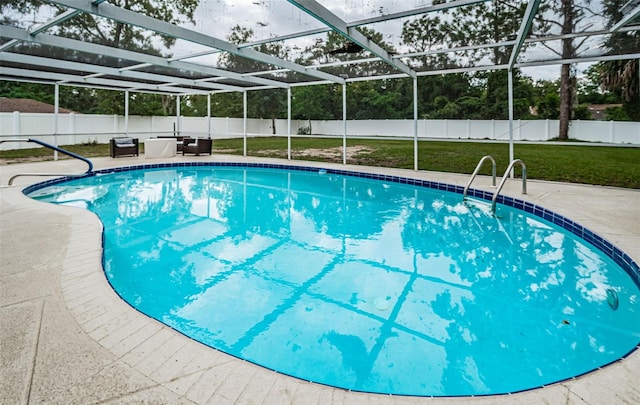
{"type": "Point", "coordinates": [122, 146]}
{"type": "Point", "coordinates": [205, 145]}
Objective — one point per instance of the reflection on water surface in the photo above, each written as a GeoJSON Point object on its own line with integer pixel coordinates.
{"type": "Point", "coordinates": [361, 284]}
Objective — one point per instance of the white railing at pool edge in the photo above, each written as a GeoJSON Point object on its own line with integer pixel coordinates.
{"type": "Point", "coordinates": [475, 173]}
{"type": "Point", "coordinates": [504, 180]}
{"type": "Point", "coordinates": [55, 148]}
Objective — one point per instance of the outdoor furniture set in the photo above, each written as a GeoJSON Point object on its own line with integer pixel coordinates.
{"type": "Point", "coordinates": [162, 146]}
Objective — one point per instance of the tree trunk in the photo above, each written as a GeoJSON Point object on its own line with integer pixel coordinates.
{"type": "Point", "coordinates": [273, 125]}
{"type": "Point", "coordinates": [168, 104]}
{"type": "Point", "coordinates": [565, 101]}
{"type": "Point", "coordinates": [565, 71]}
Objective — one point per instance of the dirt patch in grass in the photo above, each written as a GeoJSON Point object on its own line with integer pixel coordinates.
{"type": "Point", "coordinates": [321, 154]}
{"type": "Point", "coordinates": [334, 153]}
{"type": "Point", "coordinates": [230, 151]}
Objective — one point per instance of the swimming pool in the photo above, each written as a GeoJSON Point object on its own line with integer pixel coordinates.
{"type": "Point", "coordinates": [468, 307]}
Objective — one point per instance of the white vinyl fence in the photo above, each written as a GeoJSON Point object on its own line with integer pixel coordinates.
{"type": "Point", "coordinates": [80, 128]}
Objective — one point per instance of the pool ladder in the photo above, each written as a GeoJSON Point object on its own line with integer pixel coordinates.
{"type": "Point", "coordinates": [55, 148]}
{"type": "Point", "coordinates": [493, 175]}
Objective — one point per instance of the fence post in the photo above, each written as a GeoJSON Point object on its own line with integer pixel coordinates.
{"type": "Point", "coordinates": [611, 131]}
{"type": "Point", "coordinates": [547, 129]}
{"type": "Point", "coordinates": [72, 127]}
{"type": "Point", "coordinates": [16, 123]}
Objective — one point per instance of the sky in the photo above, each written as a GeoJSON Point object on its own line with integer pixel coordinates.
{"type": "Point", "coordinates": [271, 18]}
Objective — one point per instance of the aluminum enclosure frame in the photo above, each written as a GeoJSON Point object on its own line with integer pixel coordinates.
{"type": "Point", "coordinates": [211, 80]}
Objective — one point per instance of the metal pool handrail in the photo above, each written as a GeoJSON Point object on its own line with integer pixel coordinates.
{"type": "Point", "coordinates": [475, 173]}
{"type": "Point", "coordinates": [55, 148]}
{"type": "Point", "coordinates": [504, 180]}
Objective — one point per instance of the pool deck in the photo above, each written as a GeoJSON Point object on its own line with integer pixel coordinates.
{"type": "Point", "coordinates": [66, 337]}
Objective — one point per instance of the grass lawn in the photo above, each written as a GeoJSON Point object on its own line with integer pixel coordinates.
{"type": "Point", "coordinates": [602, 165]}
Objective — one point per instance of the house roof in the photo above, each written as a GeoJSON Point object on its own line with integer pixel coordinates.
{"type": "Point", "coordinates": [27, 105]}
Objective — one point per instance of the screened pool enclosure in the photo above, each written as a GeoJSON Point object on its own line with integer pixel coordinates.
{"type": "Point", "coordinates": [208, 47]}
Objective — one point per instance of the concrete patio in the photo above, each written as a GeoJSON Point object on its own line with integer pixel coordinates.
{"type": "Point", "coordinates": [66, 337]}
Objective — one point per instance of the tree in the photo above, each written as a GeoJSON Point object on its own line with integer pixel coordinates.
{"type": "Point", "coordinates": [569, 16]}
{"type": "Point", "coordinates": [33, 91]}
{"type": "Point", "coordinates": [110, 32]}
{"type": "Point", "coordinates": [194, 105]}
{"type": "Point", "coordinates": [320, 102]}
{"type": "Point", "coordinates": [547, 99]}
{"type": "Point", "coordinates": [456, 97]}
{"type": "Point", "coordinates": [566, 76]}
{"type": "Point", "coordinates": [616, 114]}
{"type": "Point", "coordinates": [621, 76]}
{"type": "Point", "coordinates": [268, 104]}
{"type": "Point", "coordinates": [497, 90]}
{"type": "Point", "coordinates": [439, 96]}
{"type": "Point", "coordinates": [366, 99]}
{"type": "Point", "coordinates": [426, 34]}
{"type": "Point", "coordinates": [337, 48]}
{"type": "Point", "coordinates": [495, 22]}
{"type": "Point", "coordinates": [227, 105]}
{"type": "Point", "coordinates": [107, 32]}
{"type": "Point", "coordinates": [591, 90]}
{"type": "Point", "coordinates": [271, 103]}
{"type": "Point", "coordinates": [379, 99]}
{"type": "Point", "coordinates": [488, 23]}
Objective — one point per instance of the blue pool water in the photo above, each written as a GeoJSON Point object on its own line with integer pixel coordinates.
{"type": "Point", "coordinates": [364, 284]}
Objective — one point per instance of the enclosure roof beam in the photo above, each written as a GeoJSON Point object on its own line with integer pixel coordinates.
{"type": "Point", "coordinates": [96, 49]}
{"type": "Point", "coordinates": [104, 70]}
{"type": "Point", "coordinates": [603, 58]}
{"type": "Point", "coordinates": [130, 17]}
{"type": "Point", "coordinates": [411, 54]}
{"type": "Point", "coordinates": [467, 69]}
{"type": "Point", "coordinates": [475, 69]}
{"type": "Point", "coordinates": [523, 31]}
{"type": "Point", "coordinates": [53, 22]}
{"type": "Point", "coordinates": [319, 12]}
{"type": "Point", "coordinates": [251, 44]}
{"type": "Point", "coordinates": [415, 11]}
{"type": "Point", "coordinates": [507, 43]}
{"type": "Point", "coordinates": [356, 23]}
{"type": "Point", "coordinates": [94, 86]}
{"type": "Point", "coordinates": [61, 18]}
{"type": "Point", "coordinates": [456, 49]}
{"type": "Point", "coordinates": [385, 17]}
{"type": "Point", "coordinates": [72, 80]}
{"type": "Point", "coordinates": [628, 17]}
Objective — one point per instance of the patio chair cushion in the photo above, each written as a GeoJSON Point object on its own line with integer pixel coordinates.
{"type": "Point", "coordinates": [123, 142]}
